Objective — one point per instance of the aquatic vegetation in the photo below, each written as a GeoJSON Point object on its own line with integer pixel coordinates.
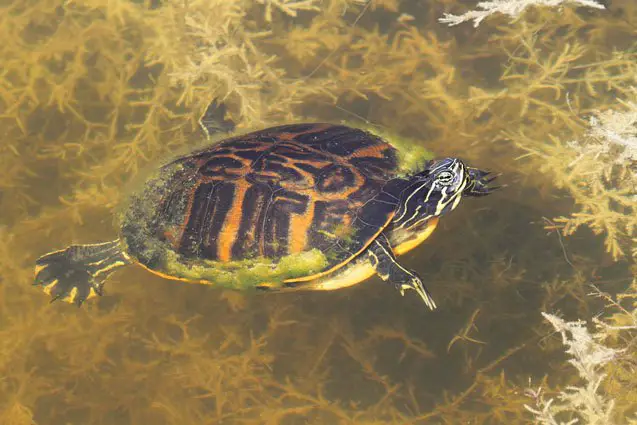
{"type": "Point", "coordinates": [95, 92]}
{"type": "Point", "coordinates": [598, 171]}
{"type": "Point", "coordinates": [589, 357]}
{"type": "Point", "coordinates": [593, 401]}
{"type": "Point", "coordinates": [513, 8]}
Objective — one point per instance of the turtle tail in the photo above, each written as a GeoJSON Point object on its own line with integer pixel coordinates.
{"type": "Point", "coordinates": [78, 272]}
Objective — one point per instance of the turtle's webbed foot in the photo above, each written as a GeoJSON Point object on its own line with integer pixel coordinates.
{"type": "Point", "coordinates": [384, 261]}
{"type": "Point", "coordinates": [78, 272]}
{"type": "Point", "coordinates": [55, 274]}
{"type": "Point", "coordinates": [416, 284]}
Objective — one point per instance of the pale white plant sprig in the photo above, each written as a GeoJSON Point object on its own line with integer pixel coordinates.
{"type": "Point", "coordinates": [542, 411]}
{"type": "Point", "coordinates": [611, 139]}
{"type": "Point", "coordinates": [589, 356]}
{"type": "Point", "coordinates": [513, 8]}
{"type": "Point", "coordinates": [617, 129]}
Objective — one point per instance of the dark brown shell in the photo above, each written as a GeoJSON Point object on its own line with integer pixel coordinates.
{"type": "Point", "coordinates": [275, 192]}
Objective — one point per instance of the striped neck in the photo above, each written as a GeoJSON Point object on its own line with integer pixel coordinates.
{"type": "Point", "coordinates": [431, 193]}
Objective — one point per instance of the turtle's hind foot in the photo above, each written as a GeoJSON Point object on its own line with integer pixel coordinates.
{"type": "Point", "coordinates": [78, 272]}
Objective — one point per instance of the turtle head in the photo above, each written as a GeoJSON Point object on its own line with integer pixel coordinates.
{"type": "Point", "coordinates": [438, 190]}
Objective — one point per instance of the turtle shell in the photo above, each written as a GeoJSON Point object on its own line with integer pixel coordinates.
{"type": "Point", "coordinates": [267, 194]}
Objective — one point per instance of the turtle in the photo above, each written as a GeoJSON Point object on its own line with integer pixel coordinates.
{"type": "Point", "coordinates": [301, 206]}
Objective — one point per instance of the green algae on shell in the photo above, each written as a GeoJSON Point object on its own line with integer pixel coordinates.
{"type": "Point", "coordinates": [411, 152]}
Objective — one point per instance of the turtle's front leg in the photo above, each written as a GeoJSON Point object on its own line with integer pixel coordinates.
{"type": "Point", "coordinates": [384, 261]}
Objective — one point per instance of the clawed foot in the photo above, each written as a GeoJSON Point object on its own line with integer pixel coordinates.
{"type": "Point", "coordinates": [415, 283]}
{"type": "Point", "coordinates": [59, 278]}
{"type": "Point", "coordinates": [78, 272]}
{"type": "Point", "coordinates": [384, 261]}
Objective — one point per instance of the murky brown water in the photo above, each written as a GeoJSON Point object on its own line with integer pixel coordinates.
{"type": "Point", "coordinates": [92, 92]}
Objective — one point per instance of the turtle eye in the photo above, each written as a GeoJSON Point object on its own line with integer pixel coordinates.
{"type": "Point", "coordinates": [445, 178]}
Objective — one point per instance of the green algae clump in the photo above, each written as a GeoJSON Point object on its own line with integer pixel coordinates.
{"type": "Point", "coordinates": [412, 154]}
{"type": "Point", "coordinates": [245, 274]}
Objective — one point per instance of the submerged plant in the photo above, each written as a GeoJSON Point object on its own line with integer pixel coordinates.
{"type": "Point", "coordinates": [589, 357]}
{"type": "Point", "coordinates": [589, 402]}
{"type": "Point", "coordinates": [599, 171]}
{"type": "Point", "coordinates": [92, 92]}
{"type": "Point", "coordinates": [513, 8]}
